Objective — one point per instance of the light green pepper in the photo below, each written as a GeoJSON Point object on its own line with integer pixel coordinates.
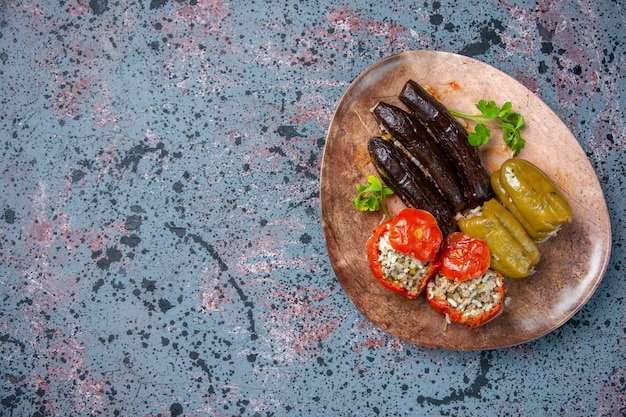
{"type": "Point", "coordinates": [513, 253]}
{"type": "Point", "coordinates": [507, 202]}
{"type": "Point", "coordinates": [492, 208]}
{"type": "Point", "coordinates": [532, 198]}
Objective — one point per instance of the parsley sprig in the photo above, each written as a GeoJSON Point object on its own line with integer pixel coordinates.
{"type": "Point", "coordinates": [372, 196]}
{"type": "Point", "coordinates": [510, 122]}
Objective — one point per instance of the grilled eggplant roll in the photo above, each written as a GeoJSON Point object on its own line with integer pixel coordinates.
{"type": "Point", "coordinates": [453, 139]}
{"type": "Point", "coordinates": [409, 182]}
{"type": "Point", "coordinates": [414, 137]}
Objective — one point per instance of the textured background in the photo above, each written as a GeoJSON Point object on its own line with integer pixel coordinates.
{"type": "Point", "coordinates": [161, 250]}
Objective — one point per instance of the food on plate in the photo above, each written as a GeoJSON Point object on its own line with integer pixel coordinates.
{"type": "Point", "coordinates": [463, 257]}
{"type": "Point", "coordinates": [472, 302]}
{"type": "Point", "coordinates": [422, 146]}
{"type": "Point", "coordinates": [425, 156]}
{"type": "Point", "coordinates": [453, 139]}
{"type": "Point", "coordinates": [513, 252]}
{"type": "Point", "coordinates": [402, 252]}
{"type": "Point", "coordinates": [462, 297]}
{"type": "Point", "coordinates": [532, 197]}
{"type": "Point", "coordinates": [505, 199]}
{"type": "Point", "coordinates": [409, 182]}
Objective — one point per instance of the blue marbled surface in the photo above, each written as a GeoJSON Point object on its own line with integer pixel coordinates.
{"type": "Point", "coordinates": [161, 250]}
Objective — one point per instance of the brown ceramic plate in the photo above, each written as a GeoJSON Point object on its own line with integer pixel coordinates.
{"type": "Point", "coordinates": [573, 263]}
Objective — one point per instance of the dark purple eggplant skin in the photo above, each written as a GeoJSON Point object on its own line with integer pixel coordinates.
{"type": "Point", "coordinates": [453, 139]}
{"type": "Point", "coordinates": [415, 138]}
{"type": "Point", "coordinates": [409, 182]}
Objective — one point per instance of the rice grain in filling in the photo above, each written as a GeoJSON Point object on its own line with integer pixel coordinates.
{"type": "Point", "coordinates": [400, 268]}
{"type": "Point", "coordinates": [473, 297]}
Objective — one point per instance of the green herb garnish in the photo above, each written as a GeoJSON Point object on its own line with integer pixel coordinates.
{"type": "Point", "coordinates": [372, 196]}
{"type": "Point", "coordinates": [510, 122]}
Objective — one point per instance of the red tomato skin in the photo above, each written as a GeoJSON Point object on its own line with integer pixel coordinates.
{"type": "Point", "coordinates": [416, 233]}
{"type": "Point", "coordinates": [376, 268]}
{"type": "Point", "coordinates": [372, 249]}
{"type": "Point", "coordinates": [463, 257]}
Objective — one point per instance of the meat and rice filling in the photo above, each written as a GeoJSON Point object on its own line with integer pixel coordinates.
{"type": "Point", "coordinates": [472, 298]}
{"type": "Point", "coordinates": [400, 268]}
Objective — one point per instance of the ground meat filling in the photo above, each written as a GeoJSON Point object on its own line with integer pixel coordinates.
{"type": "Point", "coordinates": [399, 268]}
{"type": "Point", "coordinates": [473, 297]}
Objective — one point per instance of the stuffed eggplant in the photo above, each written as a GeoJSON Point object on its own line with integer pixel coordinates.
{"type": "Point", "coordinates": [409, 182]}
{"type": "Point", "coordinates": [414, 137]}
{"type": "Point", "coordinates": [453, 139]}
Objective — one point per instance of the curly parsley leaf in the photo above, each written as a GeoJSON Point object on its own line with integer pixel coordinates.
{"type": "Point", "coordinates": [504, 117]}
{"type": "Point", "coordinates": [372, 196]}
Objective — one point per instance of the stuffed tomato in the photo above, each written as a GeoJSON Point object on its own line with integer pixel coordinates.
{"type": "Point", "coordinates": [403, 251]}
{"type": "Point", "coordinates": [465, 290]}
